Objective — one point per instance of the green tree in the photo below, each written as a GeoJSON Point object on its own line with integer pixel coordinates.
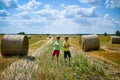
{"type": "Point", "coordinates": [21, 33]}
{"type": "Point", "coordinates": [47, 34]}
{"type": "Point", "coordinates": [117, 33]}
{"type": "Point", "coordinates": [105, 34]}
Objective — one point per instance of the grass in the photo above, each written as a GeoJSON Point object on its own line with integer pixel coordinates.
{"type": "Point", "coordinates": [35, 38]}
{"type": "Point", "coordinates": [33, 47]}
{"type": "Point", "coordinates": [78, 69]}
{"type": "Point", "coordinates": [104, 40]}
{"type": "Point", "coordinates": [113, 47]}
{"type": "Point", "coordinates": [75, 42]}
{"type": "Point", "coordinates": [6, 61]}
{"type": "Point", "coordinates": [106, 56]}
{"type": "Point", "coordinates": [36, 42]}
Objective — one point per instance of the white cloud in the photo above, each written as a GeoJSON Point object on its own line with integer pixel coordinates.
{"type": "Point", "coordinates": [24, 15]}
{"type": "Point", "coordinates": [32, 4]}
{"type": "Point", "coordinates": [48, 13]}
{"type": "Point", "coordinates": [3, 13]}
{"type": "Point", "coordinates": [48, 6]}
{"type": "Point", "coordinates": [76, 11]}
{"type": "Point", "coordinates": [64, 26]}
{"type": "Point", "coordinates": [107, 16]}
{"type": "Point", "coordinates": [99, 25]}
{"type": "Point", "coordinates": [91, 2]}
{"type": "Point", "coordinates": [63, 5]}
{"type": "Point", "coordinates": [112, 3]}
{"type": "Point", "coordinates": [8, 4]}
{"type": "Point", "coordinates": [110, 21]}
{"type": "Point", "coordinates": [72, 11]}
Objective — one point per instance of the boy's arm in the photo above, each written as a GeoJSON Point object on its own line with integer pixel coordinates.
{"type": "Point", "coordinates": [55, 44]}
{"type": "Point", "coordinates": [64, 45]}
{"type": "Point", "coordinates": [68, 44]}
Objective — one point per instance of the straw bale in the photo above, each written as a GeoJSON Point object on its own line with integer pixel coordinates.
{"type": "Point", "coordinates": [14, 45]}
{"type": "Point", "coordinates": [90, 42]}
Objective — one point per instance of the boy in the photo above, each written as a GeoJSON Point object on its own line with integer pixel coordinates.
{"type": "Point", "coordinates": [56, 48]}
{"type": "Point", "coordinates": [66, 46]}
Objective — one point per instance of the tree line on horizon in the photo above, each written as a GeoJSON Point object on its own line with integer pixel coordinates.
{"type": "Point", "coordinates": [117, 33]}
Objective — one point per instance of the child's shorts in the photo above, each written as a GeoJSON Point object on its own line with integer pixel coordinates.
{"type": "Point", "coordinates": [56, 52]}
{"type": "Point", "coordinates": [67, 53]}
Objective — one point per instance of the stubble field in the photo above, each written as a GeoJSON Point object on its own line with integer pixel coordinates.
{"type": "Point", "coordinates": [93, 65]}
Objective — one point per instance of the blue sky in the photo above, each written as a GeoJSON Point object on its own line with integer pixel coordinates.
{"type": "Point", "coordinates": [59, 16]}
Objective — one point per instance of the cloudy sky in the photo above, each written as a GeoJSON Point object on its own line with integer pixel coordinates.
{"type": "Point", "coordinates": [59, 16]}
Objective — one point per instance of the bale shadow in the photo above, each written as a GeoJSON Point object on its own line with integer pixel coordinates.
{"type": "Point", "coordinates": [97, 50]}
{"type": "Point", "coordinates": [30, 58]}
{"type": "Point", "coordinates": [11, 56]}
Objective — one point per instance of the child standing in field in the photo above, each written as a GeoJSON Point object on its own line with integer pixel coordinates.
{"type": "Point", "coordinates": [56, 48]}
{"type": "Point", "coordinates": [66, 47]}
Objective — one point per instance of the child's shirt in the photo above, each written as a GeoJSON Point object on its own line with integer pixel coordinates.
{"type": "Point", "coordinates": [66, 46]}
{"type": "Point", "coordinates": [58, 45]}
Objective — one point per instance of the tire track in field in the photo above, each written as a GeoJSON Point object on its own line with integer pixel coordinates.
{"type": "Point", "coordinates": [42, 48]}
{"type": "Point", "coordinates": [36, 42]}
{"type": "Point", "coordinates": [24, 68]}
{"type": "Point", "coordinates": [34, 46]}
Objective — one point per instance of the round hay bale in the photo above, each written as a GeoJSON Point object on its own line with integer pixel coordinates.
{"type": "Point", "coordinates": [40, 36]}
{"type": "Point", "coordinates": [74, 37]}
{"type": "Point", "coordinates": [49, 37]}
{"type": "Point", "coordinates": [14, 45]}
{"type": "Point", "coordinates": [115, 39]}
{"type": "Point", "coordinates": [29, 36]}
{"type": "Point", "coordinates": [90, 42]}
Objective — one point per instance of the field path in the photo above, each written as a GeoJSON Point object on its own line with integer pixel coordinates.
{"type": "Point", "coordinates": [21, 69]}
{"type": "Point", "coordinates": [37, 42]}
{"type": "Point", "coordinates": [111, 49]}
{"type": "Point", "coordinates": [42, 48]}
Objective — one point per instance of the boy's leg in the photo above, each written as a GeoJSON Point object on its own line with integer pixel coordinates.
{"type": "Point", "coordinates": [65, 56]}
{"type": "Point", "coordinates": [57, 59]}
{"type": "Point", "coordinates": [53, 54]}
{"type": "Point", "coordinates": [69, 55]}
{"type": "Point", "coordinates": [57, 54]}
{"type": "Point", "coordinates": [52, 58]}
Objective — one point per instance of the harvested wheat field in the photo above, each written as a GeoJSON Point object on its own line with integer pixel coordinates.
{"type": "Point", "coordinates": [102, 64]}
